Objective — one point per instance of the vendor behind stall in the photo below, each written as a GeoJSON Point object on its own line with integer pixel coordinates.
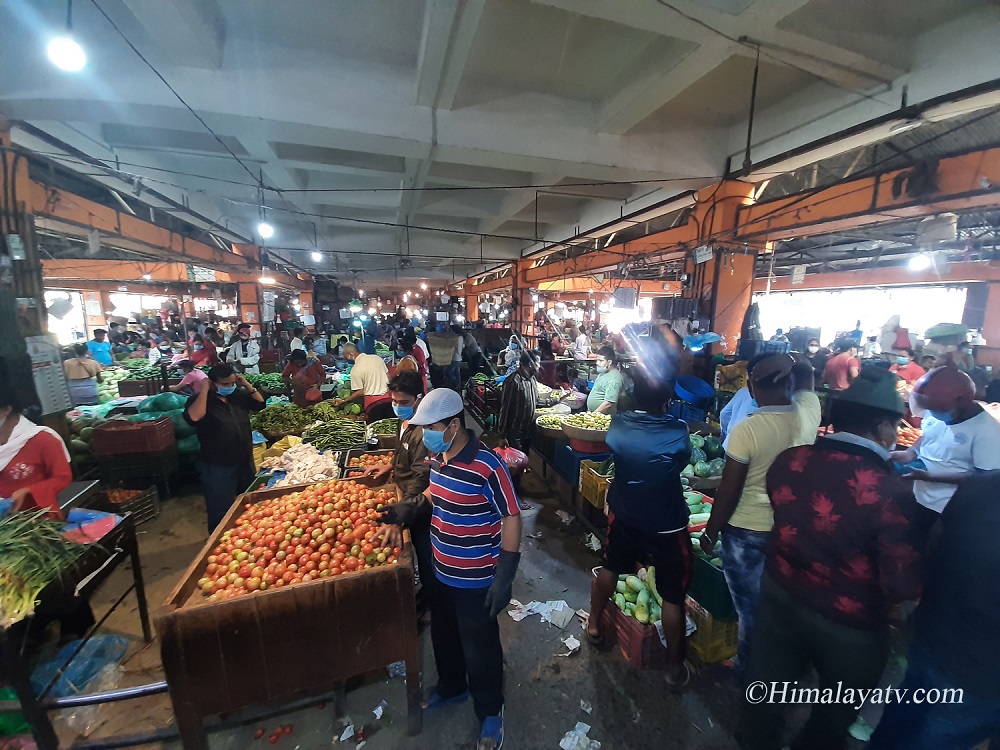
{"type": "Point", "coordinates": [192, 376]}
{"type": "Point", "coordinates": [304, 377]}
{"type": "Point", "coordinates": [609, 385]}
{"type": "Point", "coordinates": [244, 353]}
{"type": "Point", "coordinates": [34, 462]}
{"type": "Point", "coordinates": [905, 367]}
{"type": "Point", "coordinates": [83, 373]}
{"type": "Point", "coordinates": [369, 379]}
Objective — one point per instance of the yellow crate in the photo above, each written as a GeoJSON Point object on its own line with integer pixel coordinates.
{"type": "Point", "coordinates": [593, 486]}
{"type": "Point", "coordinates": [714, 641]}
{"type": "Point", "coordinates": [730, 378]}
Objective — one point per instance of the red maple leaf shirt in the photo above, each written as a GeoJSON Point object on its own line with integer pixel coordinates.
{"type": "Point", "coordinates": [846, 535]}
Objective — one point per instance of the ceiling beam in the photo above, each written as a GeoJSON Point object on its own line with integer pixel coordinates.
{"type": "Point", "coordinates": [187, 32]}
{"type": "Point", "coordinates": [458, 53]}
{"type": "Point", "coordinates": [956, 273]}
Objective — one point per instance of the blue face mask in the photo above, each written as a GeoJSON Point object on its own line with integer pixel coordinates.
{"type": "Point", "coordinates": [902, 360]}
{"type": "Point", "coordinates": [434, 441]}
{"type": "Point", "coordinates": [403, 412]}
{"type": "Point", "coordinates": [514, 347]}
{"type": "Point", "coordinates": [754, 404]}
{"type": "Point", "coordinates": [225, 390]}
{"type": "Point", "coordinates": [944, 416]}
{"type": "Point", "coordinates": [198, 347]}
{"type": "Point", "coordinates": [602, 369]}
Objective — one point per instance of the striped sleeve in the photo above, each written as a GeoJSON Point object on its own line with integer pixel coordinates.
{"type": "Point", "coordinates": [500, 486]}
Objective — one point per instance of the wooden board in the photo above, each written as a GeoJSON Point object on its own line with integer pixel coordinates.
{"type": "Point", "coordinates": [285, 643]}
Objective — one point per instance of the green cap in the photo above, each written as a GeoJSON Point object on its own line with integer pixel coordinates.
{"type": "Point", "coordinates": [875, 388]}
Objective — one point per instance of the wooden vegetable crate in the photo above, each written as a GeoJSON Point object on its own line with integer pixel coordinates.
{"type": "Point", "coordinates": [287, 643]}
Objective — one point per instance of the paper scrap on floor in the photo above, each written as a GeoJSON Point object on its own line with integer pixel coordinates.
{"type": "Point", "coordinates": [557, 612]}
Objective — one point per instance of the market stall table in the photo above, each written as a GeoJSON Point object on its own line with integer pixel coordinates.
{"type": "Point", "coordinates": [83, 577]}
{"type": "Point", "coordinates": [77, 494]}
{"type": "Point", "coordinates": [214, 653]}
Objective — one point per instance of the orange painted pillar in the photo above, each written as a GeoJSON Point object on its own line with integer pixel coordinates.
{"type": "Point", "coordinates": [471, 308]}
{"type": "Point", "coordinates": [306, 304]}
{"type": "Point", "coordinates": [523, 309]}
{"type": "Point", "coordinates": [249, 299]}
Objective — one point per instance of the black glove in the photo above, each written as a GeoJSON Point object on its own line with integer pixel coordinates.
{"type": "Point", "coordinates": [399, 514]}
{"type": "Point", "coordinates": [500, 592]}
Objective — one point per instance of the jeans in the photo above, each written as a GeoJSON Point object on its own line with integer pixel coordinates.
{"type": "Point", "coordinates": [467, 648]}
{"type": "Point", "coordinates": [743, 554]}
{"type": "Point", "coordinates": [221, 483]}
{"type": "Point", "coordinates": [453, 376]}
{"type": "Point", "coordinates": [789, 639]}
{"type": "Point", "coordinates": [930, 726]}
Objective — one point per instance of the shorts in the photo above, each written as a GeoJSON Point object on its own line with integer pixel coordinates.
{"type": "Point", "coordinates": [670, 553]}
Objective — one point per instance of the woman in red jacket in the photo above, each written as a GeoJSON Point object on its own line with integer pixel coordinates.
{"type": "Point", "coordinates": [34, 462]}
{"type": "Point", "coordinates": [304, 377]}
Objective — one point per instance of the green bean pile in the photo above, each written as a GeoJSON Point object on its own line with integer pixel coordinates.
{"type": "Point", "coordinates": [337, 434]}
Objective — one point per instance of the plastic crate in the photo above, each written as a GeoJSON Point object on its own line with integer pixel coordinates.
{"type": "Point", "coordinates": [144, 505]}
{"type": "Point", "coordinates": [155, 467]}
{"type": "Point", "coordinates": [640, 644]}
{"type": "Point", "coordinates": [686, 412]}
{"type": "Point", "coordinates": [593, 486]}
{"type": "Point", "coordinates": [143, 387]}
{"type": "Point", "coordinates": [358, 452]}
{"type": "Point", "coordinates": [714, 640]}
{"type": "Point", "coordinates": [118, 437]}
{"type": "Point", "coordinates": [709, 589]}
{"type": "Point", "coordinates": [731, 378]}
{"type": "Point", "coordinates": [567, 461]}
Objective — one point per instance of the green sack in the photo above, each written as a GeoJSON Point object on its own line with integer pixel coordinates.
{"type": "Point", "coordinates": [188, 445]}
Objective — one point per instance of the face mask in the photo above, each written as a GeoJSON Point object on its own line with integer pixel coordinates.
{"type": "Point", "coordinates": [902, 360]}
{"type": "Point", "coordinates": [244, 337]}
{"type": "Point", "coordinates": [813, 349]}
{"type": "Point", "coordinates": [198, 347]}
{"type": "Point", "coordinates": [434, 441]}
{"type": "Point", "coordinates": [514, 347]}
{"type": "Point", "coordinates": [226, 390]}
{"type": "Point", "coordinates": [602, 369]}
{"type": "Point", "coordinates": [400, 353]}
{"type": "Point", "coordinates": [404, 412]}
{"type": "Point", "coordinates": [944, 416]}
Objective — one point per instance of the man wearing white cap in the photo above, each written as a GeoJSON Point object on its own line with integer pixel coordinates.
{"type": "Point", "coordinates": [476, 539]}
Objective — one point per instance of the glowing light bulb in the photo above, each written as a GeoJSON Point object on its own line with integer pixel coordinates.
{"type": "Point", "coordinates": [265, 230]}
{"type": "Point", "coordinates": [66, 54]}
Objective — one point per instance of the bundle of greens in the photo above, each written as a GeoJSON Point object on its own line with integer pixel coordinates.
{"type": "Point", "coordinates": [336, 434]}
{"type": "Point", "coordinates": [33, 553]}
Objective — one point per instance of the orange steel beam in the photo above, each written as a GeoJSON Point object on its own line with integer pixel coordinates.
{"type": "Point", "coordinates": [123, 271]}
{"type": "Point", "coordinates": [486, 287]}
{"type": "Point", "coordinates": [957, 273]}
{"type": "Point", "coordinates": [962, 182]}
{"type": "Point", "coordinates": [608, 286]}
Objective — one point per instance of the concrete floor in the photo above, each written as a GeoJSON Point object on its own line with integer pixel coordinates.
{"type": "Point", "coordinates": [631, 708]}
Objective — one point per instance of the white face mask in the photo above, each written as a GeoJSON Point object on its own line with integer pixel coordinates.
{"type": "Point", "coordinates": [813, 349]}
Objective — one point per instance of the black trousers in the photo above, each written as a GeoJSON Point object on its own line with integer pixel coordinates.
{"type": "Point", "coordinates": [467, 648]}
{"type": "Point", "coordinates": [789, 638]}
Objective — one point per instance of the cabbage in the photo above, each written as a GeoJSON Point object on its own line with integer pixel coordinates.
{"type": "Point", "coordinates": [687, 471]}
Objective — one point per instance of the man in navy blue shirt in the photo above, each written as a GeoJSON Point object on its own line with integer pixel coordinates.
{"type": "Point", "coordinates": [649, 516]}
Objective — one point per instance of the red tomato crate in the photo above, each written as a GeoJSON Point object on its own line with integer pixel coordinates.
{"type": "Point", "coordinates": [640, 644]}
{"type": "Point", "coordinates": [119, 437]}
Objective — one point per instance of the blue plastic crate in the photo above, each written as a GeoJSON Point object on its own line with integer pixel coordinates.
{"type": "Point", "coordinates": [567, 462]}
{"type": "Point", "coordinates": [686, 412]}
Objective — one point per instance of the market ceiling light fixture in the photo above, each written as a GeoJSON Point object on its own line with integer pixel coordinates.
{"type": "Point", "coordinates": [317, 256]}
{"type": "Point", "coordinates": [265, 230]}
{"type": "Point", "coordinates": [147, 277]}
{"type": "Point", "coordinates": [920, 262]}
{"type": "Point", "coordinates": [423, 286]}
{"type": "Point", "coordinates": [266, 278]}
{"type": "Point", "coordinates": [64, 51]}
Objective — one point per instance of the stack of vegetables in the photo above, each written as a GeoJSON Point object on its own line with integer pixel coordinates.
{"type": "Point", "coordinates": [171, 406]}
{"type": "Point", "coordinates": [908, 436]}
{"type": "Point", "coordinates": [33, 554]}
{"type": "Point", "coordinates": [638, 598]}
{"type": "Point", "coordinates": [707, 457]}
{"type": "Point", "coordinates": [282, 418]}
{"type": "Point", "coordinates": [590, 420]}
{"type": "Point", "coordinates": [326, 410]}
{"type": "Point", "coordinates": [82, 431]}
{"type": "Point", "coordinates": [107, 390]}
{"type": "Point", "coordinates": [336, 434]}
{"type": "Point", "coordinates": [270, 381]}
{"type": "Point", "coordinates": [384, 427]}
{"type": "Point", "coordinates": [139, 369]}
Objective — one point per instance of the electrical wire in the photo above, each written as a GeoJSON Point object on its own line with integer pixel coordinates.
{"type": "Point", "coordinates": [746, 43]}
{"type": "Point", "coordinates": [172, 89]}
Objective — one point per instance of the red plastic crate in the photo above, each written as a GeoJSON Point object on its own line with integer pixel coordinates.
{"type": "Point", "coordinates": [640, 644]}
{"type": "Point", "coordinates": [119, 437]}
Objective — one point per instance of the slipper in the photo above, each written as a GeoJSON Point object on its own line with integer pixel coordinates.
{"type": "Point", "coordinates": [679, 687]}
{"type": "Point", "coordinates": [523, 505]}
{"type": "Point", "coordinates": [433, 699]}
{"type": "Point", "coordinates": [491, 736]}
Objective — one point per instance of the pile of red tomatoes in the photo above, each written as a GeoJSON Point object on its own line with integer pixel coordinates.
{"type": "Point", "coordinates": [327, 529]}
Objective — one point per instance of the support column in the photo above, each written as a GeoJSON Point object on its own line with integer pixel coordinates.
{"type": "Point", "coordinates": [306, 304]}
{"type": "Point", "coordinates": [523, 320]}
{"type": "Point", "coordinates": [723, 284]}
{"type": "Point", "coordinates": [990, 354]}
{"type": "Point", "coordinates": [471, 308]}
{"type": "Point", "coordinates": [249, 299]}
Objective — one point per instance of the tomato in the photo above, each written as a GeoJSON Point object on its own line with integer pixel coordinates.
{"type": "Point", "coordinates": [350, 563]}
{"type": "Point", "coordinates": [366, 549]}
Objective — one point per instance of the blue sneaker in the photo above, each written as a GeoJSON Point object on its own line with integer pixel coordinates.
{"type": "Point", "coordinates": [491, 736]}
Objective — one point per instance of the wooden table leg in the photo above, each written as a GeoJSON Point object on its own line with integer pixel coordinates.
{"type": "Point", "coordinates": [140, 589]}
{"type": "Point", "coordinates": [15, 672]}
{"type": "Point", "coordinates": [191, 728]}
{"type": "Point", "coordinates": [414, 688]}
{"type": "Point", "coordinates": [339, 699]}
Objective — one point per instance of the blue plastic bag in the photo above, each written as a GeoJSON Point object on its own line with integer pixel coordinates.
{"type": "Point", "coordinates": [99, 652]}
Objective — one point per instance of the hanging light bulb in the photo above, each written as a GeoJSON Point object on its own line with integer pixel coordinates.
{"type": "Point", "coordinates": [920, 262]}
{"type": "Point", "coordinates": [266, 278]}
{"type": "Point", "coordinates": [317, 256]}
{"type": "Point", "coordinates": [423, 285]}
{"type": "Point", "coordinates": [265, 230]}
{"type": "Point", "coordinates": [64, 51]}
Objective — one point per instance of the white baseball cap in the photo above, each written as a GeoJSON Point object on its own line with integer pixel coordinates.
{"type": "Point", "coordinates": [437, 406]}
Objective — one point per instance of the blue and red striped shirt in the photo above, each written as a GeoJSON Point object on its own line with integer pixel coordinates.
{"type": "Point", "coordinates": [471, 495]}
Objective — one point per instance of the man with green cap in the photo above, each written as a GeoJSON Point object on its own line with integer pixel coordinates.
{"type": "Point", "coordinates": [843, 558]}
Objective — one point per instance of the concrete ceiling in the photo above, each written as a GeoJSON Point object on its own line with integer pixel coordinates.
{"type": "Point", "coordinates": [363, 115]}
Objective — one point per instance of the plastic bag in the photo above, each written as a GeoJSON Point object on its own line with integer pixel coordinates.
{"type": "Point", "coordinates": [83, 720]}
{"type": "Point", "coordinates": [189, 444]}
{"type": "Point", "coordinates": [514, 458]}
{"type": "Point", "coordinates": [99, 652]}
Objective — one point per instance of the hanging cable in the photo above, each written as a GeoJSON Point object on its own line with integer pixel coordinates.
{"type": "Point", "coordinates": [747, 164]}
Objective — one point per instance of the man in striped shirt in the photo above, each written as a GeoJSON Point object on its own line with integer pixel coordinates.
{"type": "Point", "coordinates": [476, 538]}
